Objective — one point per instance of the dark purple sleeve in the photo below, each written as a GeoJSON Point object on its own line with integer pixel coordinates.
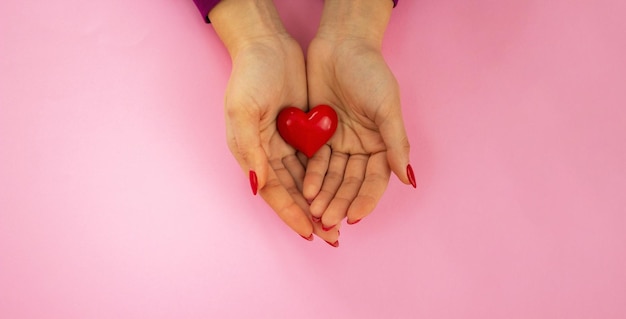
{"type": "Point", "coordinates": [205, 6]}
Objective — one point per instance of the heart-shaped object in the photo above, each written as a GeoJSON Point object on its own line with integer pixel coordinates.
{"type": "Point", "coordinates": [307, 132]}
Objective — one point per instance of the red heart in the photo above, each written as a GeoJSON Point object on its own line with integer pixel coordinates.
{"type": "Point", "coordinates": [307, 132]}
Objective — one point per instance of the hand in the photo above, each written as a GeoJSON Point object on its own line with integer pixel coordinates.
{"type": "Point", "coordinates": [346, 70]}
{"type": "Point", "coordinates": [268, 73]}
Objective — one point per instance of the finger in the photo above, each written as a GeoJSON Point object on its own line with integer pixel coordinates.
{"type": "Point", "coordinates": [244, 142]}
{"type": "Point", "coordinates": [316, 170]}
{"type": "Point", "coordinates": [286, 179]}
{"type": "Point", "coordinates": [329, 236]}
{"type": "Point", "coordinates": [289, 183]}
{"type": "Point", "coordinates": [332, 181]}
{"type": "Point", "coordinates": [394, 135]}
{"type": "Point", "coordinates": [296, 171]}
{"type": "Point", "coordinates": [374, 185]}
{"type": "Point", "coordinates": [303, 159]}
{"type": "Point", "coordinates": [279, 197]}
{"type": "Point", "coordinates": [352, 181]}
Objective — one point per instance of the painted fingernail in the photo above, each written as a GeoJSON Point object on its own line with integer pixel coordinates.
{"type": "Point", "coordinates": [310, 238]}
{"type": "Point", "coordinates": [335, 244]}
{"type": "Point", "coordinates": [324, 228]}
{"type": "Point", "coordinates": [410, 175]}
{"type": "Point", "coordinates": [316, 219]}
{"type": "Point", "coordinates": [254, 182]}
{"type": "Point", "coordinates": [353, 222]}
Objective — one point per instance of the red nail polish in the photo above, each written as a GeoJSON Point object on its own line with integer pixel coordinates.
{"type": "Point", "coordinates": [335, 244]}
{"type": "Point", "coordinates": [410, 175]}
{"type": "Point", "coordinates": [354, 222]}
{"type": "Point", "coordinates": [316, 219]}
{"type": "Point", "coordinates": [310, 238]}
{"type": "Point", "coordinates": [324, 228]}
{"type": "Point", "coordinates": [254, 183]}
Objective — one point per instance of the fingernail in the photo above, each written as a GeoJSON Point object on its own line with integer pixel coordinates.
{"type": "Point", "coordinates": [254, 183]}
{"type": "Point", "coordinates": [316, 219]}
{"type": "Point", "coordinates": [354, 222]}
{"type": "Point", "coordinates": [410, 175]}
{"type": "Point", "coordinates": [335, 244]}
{"type": "Point", "coordinates": [310, 238]}
{"type": "Point", "coordinates": [327, 228]}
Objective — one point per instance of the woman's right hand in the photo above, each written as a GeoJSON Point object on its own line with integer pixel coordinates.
{"type": "Point", "coordinates": [268, 74]}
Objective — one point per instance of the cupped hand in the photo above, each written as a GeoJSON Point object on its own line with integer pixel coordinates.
{"type": "Point", "coordinates": [267, 75]}
{"type": "Point", "coordinates": [348, 177]}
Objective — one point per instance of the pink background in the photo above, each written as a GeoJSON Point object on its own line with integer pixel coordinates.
{"type": "Point", "coordinates": [120, 199]}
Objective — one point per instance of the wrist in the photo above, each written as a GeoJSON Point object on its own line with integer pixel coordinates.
{"type": "Point", "coordinates": [363, 20]}
{"type": "Point", "coordinates": [241, 23]}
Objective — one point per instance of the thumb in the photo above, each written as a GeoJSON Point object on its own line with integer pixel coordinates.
{"type": "Point", "coordinates": [398, 149]}
{"type": "Point", "coordinates": [244, 142]}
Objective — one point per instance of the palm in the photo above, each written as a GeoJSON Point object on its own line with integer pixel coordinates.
{"type": "Point", "coordinates": [261, 84]}
{"type": "Point", "coordinates": [358, 83]}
